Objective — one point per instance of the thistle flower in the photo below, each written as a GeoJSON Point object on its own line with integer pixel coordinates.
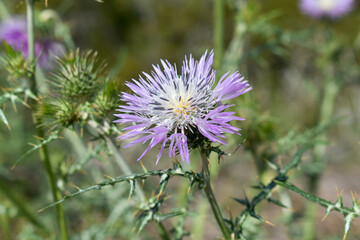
{"type": "Point", "coordinates": [13, 31]}
{"type": "Point", "coordinates": [326, 8]}
{"type": "Point", "coordinates": [180, 110]}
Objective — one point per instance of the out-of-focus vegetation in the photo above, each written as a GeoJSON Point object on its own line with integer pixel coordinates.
{"type": "Point", "coordinates": [305, 75]}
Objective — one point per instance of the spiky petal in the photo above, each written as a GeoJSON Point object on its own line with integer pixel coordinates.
{"type": "Point", "coordinates": [167, 107]}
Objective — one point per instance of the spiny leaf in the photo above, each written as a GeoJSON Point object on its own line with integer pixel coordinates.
{"type": "Point", "coordinates": [277, 202]}
{"type": "Point", "coordinates": [3, 118]}
{"type": "Point", "coordinates": [132, 188]}
{"type": "Point", "coordinates": [348, 221]}
{"type": "Point", "coordinates": [164, 179]}
{"type": "Point", "coordinates": [163, 217]}
{"type": "Point", "coordinates": [47, 140]}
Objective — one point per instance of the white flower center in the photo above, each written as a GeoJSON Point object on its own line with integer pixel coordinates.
{"type": "Point", "coordinates": [326, 5]}
{"type": "Point", "coordinates": [179, 103]}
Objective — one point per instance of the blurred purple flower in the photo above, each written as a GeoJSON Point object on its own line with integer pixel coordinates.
{"type": "Point", "coordinates": [169, 109]}
{"type": "Point", "coordinates": [326, 8]}
{"type": "Point", "coordinates": [13, 31]}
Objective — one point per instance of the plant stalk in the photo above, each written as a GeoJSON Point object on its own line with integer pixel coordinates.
{"type": "Point", "coordinates": [44, 154]}
{"type": "Point", "coordinates": [331, 89]}
{"type": "Point", "coordinates": [3, 10]}
{"type": "Point", "coordinates": [218, 31]}
{"type": "Point", "coordinates": [211, 197]}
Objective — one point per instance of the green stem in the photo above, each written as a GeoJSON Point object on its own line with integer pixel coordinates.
{"type": "Point", "coordinates": [44, 154]}
{"type": "Point", "coordinates": [5, 226]}
{"type": "Point", "coordinates": [56, 194]}
{"type": "Point", "coordinates": [218, 31]}
{"type": "Point", "coordinates": [235, 51]}
{"type": "Point", "coordinates": [330, 91]}
{"type": "Point", "coordinates": [3, 10]}
{"type": "Point", "coordinates": [162, 231]}
{"type": "Point", "coordinates": [211, 197]}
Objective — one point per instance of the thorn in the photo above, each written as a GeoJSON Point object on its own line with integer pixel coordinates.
{"type": "Point", "coordinates": [270, 223]}
{"type": "Point", "coordinates": [142, 183]}
{"type": "Point", "coordinates": [188, 191]}
{"type": "Point", "coordinates": [38, 138]}
{"type": "Point", "coordinates": [143, 167]}
{"type": "Point", "coordinates": [352, 195]}
{"type": "Point", "coordinates": [342, 191]}
{"type": "Point", "coordinates": [324, 217]}
{"type": "Point", "coordinates": [81, 132]}
{"type": "Point", "coordinates": [229, 211]}
{"type": "Point", "coordinates": [107, 176]}
{"type": "Point", "coordinates": [345, 234]}
{"type": "Point", "coordinates": [73, 185]}
{"type": "Point", "coordinates": [14, 107]}
{"type": "Point", "coordinates": [337, 192]}
{"type": "Point", "coordinates": [158, 196]}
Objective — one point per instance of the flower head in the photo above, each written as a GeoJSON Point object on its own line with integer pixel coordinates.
{"type": "Point", "coordinates": [13, 31]}
{"type": "Point", "coordinates": [176, 110]}
{"type": "Point", "coordinates": [326, 8]}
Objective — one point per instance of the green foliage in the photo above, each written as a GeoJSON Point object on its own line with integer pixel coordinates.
{"type": "Point", "coordinates": [302, 77]}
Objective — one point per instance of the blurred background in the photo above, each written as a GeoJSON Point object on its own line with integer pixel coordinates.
{"type": "Point", "coordinates": [285, 54]}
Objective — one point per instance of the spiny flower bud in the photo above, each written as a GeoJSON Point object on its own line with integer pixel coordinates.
{"type": "Point", "coordinates": [57, 112]}
{"type": "Point", "coordinates": [15, 63]}
{"type": "Point", "coordinates": [78, 76]}
{"type": "Point", "coordinates": [106, 100]}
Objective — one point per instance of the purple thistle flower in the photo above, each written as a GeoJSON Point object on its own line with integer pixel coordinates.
{"type": "Point", "coordinates": [169, 109]}
{"type": "Point", "coordinates": [13, 31]}
{"type": "Point", "coordinates": [326, 8]}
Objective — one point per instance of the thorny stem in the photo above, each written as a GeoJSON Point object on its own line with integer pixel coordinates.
{"type": "Point", "coordinates": [124, 166]}
{"type": "Point", "coordinates": [138, 190]}
{"type": "Point", "coordinates": [172, 172]}
{"type": "Point", "coordinates": [126, 170]}
{"type": "Point", "coordinates": [211, 197]}
{"type": "Point", "coordinates": [44, 154]}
